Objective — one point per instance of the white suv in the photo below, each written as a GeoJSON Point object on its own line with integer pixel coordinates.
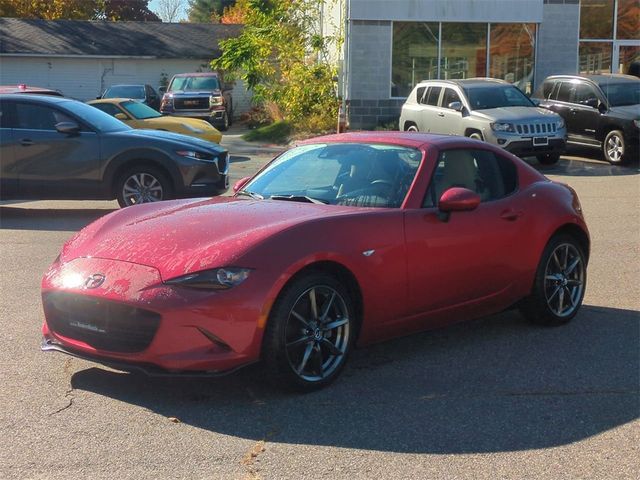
{"type": "Point", "coordinates": [487, 109]}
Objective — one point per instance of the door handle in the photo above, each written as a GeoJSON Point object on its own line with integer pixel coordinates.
{"type": "Point", "coordinates": [511, 215]}
{"type": "Point", "coordinates": [573, 111]}
{"type": "Point", "coordinates": [25, 142]}
{"type": "Point", "coordinates": [440, 114]}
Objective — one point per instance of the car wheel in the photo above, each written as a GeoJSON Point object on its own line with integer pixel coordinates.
{"type": "Point", "coordinates": [412, 128]}
{"type": "Point", "coordinates": [476, 136]}
{"type": "Point", "coordinates": [142, 184]}
{"type": "Point", "coordinates": [614, 148]}
{"type": "Point", "coordinates": [560, 283]}
{"type": "Point", "coordinates": [548, 158]}
{"type": "Point", "coordinates": [309, 333]}
{"type": "Point", "coordinates": [224, 125]}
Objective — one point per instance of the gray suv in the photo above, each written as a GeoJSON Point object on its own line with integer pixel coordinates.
{"type": "Point", "coordinates": [486, 109]}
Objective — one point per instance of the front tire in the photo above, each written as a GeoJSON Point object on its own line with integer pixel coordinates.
{"type": "Point", "coordinates": [559, 284]}
{"type": "Point", "coordinates": [614, 147]}
{"type": "Point", "coordinates": [224, 124]}
{"type": "Point", "coordinates": [476, 136]}
{"type": "Point", "coordinates": [142, 184]}
{"type": "Point", "coordinates": [310, 333]}
{"type": "Point", "coordinates": [548, 158]}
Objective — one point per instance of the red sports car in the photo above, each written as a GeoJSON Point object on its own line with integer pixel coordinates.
{"type": "Point", "coordinates": [343, 240]}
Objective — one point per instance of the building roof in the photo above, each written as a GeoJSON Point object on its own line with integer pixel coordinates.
{"type": "Point", "coordinates": [100, 38]}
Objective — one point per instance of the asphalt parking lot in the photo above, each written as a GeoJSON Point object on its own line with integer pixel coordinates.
{"type": "Point", "coordinates": [494, 398]}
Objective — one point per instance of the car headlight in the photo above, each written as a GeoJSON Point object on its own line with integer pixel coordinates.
{"type": "Point", "coordinates": [636, 123]}
{"type": "Point", "coordinates": [205, 157]}
{"type": "Point", "coordinates": [502, 127]}
{"type": "Point", "coordinates": [560, 123]}
{"type": "Point", "coordinates": [215, 279]}
{"type": "Point", "coordinates": [215, 100]}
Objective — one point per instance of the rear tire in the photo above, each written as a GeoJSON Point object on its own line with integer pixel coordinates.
{"type": "Point", "coordinates": [306, 347]}
{"type": "Point", "coordinates": [142, 184]}
{"type": "Point", "coordinates": [614, 148]}
{"type": "Point", "coordinates": [548, 158]}
{"type": "Point", "coordinates": [559, 284]}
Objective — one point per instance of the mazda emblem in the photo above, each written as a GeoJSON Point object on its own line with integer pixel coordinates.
{"type": "Point", "coordinates": [94, 281]}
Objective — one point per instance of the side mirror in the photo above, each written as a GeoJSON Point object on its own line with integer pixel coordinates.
{"type": "Point", "coordinates": [240, 183]}
{"type": "Point", "coordinates": [68, 128]}
{"type": "Point", "coordinates": [457, 106]}
{"type": "Point", "coordinates": [591, 102]}
{"type": "Point", "coordinates": [99, 97]}
{"type": "Point", "coordinates": [535, 101]}
{"type": "Point", "coordinates": [162, 90]}
{"type": "Point", "coordinates": [121, 116]}
{"type": "Point", "coordinates": [457, 199]}
{"type": "Point", "coordinates": [602, 108]}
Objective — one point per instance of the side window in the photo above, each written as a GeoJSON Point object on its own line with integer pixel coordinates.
{"type": "Point", "coordinates": [107, 108]}
{"type": "Point", "coordinates": [584, 93]}
{"type": "Point", "coordinates": [420, 94]}
{"type": "Point", "coordinates": [5, 115]}
{"type": "Point", "coordinates": [547, 88]}
{"type": "Point", "coordinates": [450, 96]}
{"type": "Point", "coordinates": [32, 116]}
{"type": "Point", "coordinates": [481, 171]}
{"type": "Point", "coordinates": [432, 96]}
{"type": "Point", "coordinates": [566, 92]}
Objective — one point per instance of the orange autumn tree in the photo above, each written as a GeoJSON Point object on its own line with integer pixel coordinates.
{"type": "Point", "coordinates": [236, 13]}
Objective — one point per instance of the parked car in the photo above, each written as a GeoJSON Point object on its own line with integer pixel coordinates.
{"type": "Point", "coordinates": [138, 115]}
{"type": "Point", "coordinates": [143, 93]}
{"type": "Point", "coordinates": [600, 111]}
{"type": "Point", "coordinates": [485, 109]}
{"type": "Point", "coordinates": [22, 88]}
{"type": "Point", "coordinates": [344, 239]}
{"type": "Point", "coordinates": [57, 148]}
{"type": "Point", "coordinates": [199, 95]}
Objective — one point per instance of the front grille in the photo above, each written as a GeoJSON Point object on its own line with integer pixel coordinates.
{"type": "Point", "coordinates": [103, 324]}
{"type": "Point", "coordinates": [536, 128]}
{"type": "Point", "coordinates": [194, 103]}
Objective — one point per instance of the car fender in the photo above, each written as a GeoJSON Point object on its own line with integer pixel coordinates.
{"type": "Point", "coordinates": [153, 156]}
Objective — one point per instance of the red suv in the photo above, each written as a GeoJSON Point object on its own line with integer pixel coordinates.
{"type": "Point", "coordinates": [199, 95]}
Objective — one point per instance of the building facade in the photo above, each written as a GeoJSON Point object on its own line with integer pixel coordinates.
{"type": "Point", "coordinates": [392, 45]}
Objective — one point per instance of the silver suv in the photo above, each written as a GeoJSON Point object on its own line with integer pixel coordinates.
{"type": "Point", "coordinates": [491, 110]}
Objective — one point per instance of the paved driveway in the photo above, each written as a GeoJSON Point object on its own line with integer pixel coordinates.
{"type": "Point", "coordinates": [495, 398]}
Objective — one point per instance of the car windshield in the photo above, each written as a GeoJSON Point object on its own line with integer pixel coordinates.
{"type": "Point", "coordinates": [99, 120]}
{"type": "Point", "coordinates": [620, 94]}
{"type": "Point", "coordinates": [354, 174]}
{"type": "Point", "coordinates": [139, 110]}
{"type": "Point", "coordinates": [125, 91]}
{"type": "Point", "coordinates": [484, 98]}
{"type": "Point", "coordinates": [195, 83]}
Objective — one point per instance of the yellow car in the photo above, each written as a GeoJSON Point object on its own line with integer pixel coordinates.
{"type": "Point", "coordinates": [138, 115]}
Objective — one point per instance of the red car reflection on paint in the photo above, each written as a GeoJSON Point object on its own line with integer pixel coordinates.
{"type": "Point", "coordinates": [346, 239]}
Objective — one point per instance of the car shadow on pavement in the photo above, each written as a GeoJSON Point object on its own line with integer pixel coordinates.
{"type": "Point", "coordinates": [584, 162]}
{"type": "Point", "coordinates": [497, 384]}
{"type": "Point", "coordinates": [15, 218]}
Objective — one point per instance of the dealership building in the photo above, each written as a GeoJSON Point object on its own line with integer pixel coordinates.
{"type": "Point", "coordinates": [390, 45]}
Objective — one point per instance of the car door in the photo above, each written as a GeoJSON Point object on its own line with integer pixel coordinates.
{"type": "Point", "coordinates": [8, 173]}
{"type": "Point", "coordinates": [450, 120]}
{"type": "Point", "coordinates": [584, 112]}
{"type": "Point", "coordinates": [428, 121]}
{"type": "Point", "coordinates": [51, 164]}
{"type": "Point", "coordinates": [471, 258]}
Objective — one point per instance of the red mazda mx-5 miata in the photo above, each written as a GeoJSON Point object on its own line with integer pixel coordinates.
{"type": "Point", "coordinates": [343, 240]}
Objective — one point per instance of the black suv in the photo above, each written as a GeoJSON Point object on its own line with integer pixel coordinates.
{"type": "Point", "coordinates": [57, 148]}
{"type": "Point", "coordinates": [143, 93]}
{"type": "Point", "coordinates": [600, 111]}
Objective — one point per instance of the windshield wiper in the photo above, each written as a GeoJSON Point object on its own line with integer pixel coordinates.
{"type": "Point", "coordinates": [247, 193]}
{"type": "Point", "coordinates": [298, 198]}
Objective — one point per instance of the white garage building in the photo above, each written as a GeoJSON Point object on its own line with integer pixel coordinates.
{"type": "Point", "coordinates": [82, 58]}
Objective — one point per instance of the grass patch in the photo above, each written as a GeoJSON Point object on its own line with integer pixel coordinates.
{"type": "Point", "coordinates": [277, 132]}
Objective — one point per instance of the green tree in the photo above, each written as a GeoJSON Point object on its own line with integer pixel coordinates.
{"type": "Point", "coordinates": [206, 11]}
{"type": "Point", "coordinates": [78, 9]}
{"type": "Point", "coordinates": [281, 56]}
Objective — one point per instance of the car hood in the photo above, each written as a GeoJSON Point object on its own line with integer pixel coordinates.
{"type": "Point", "coordinates": [176, 138]}
{"type": "Point", "coordinates": [194, 93]}
{"type": "Point", "coordinates": [516, 114]}
{"type": "Point", "coordinates": [168, 121]}
{"type": "Point", "coordinates": [183, 236]}
{"type": "Point", "coordinates": [629, 112]}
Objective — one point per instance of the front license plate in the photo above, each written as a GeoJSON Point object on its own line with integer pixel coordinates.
{"type": "Point", "coordinates": [540, 141]}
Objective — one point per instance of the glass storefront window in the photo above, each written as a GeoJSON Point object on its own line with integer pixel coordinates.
{"type": "Point", "coordinates": [464, 50]}
{"type": "Point", "coordinates": [512, 54]}
{"type": "Point", "coordinates": [594, 57]}
{"type": "Point", "coordinates": [628, 55]}
{"type": "Point", "coordinates": [415, 55]}
{"type": "Point", "coordinates": [596, 19]}
{"type": "Point", "coordinates": [628, 27]}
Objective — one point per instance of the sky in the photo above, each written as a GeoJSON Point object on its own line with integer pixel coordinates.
{"type": "Point", "coordinates": [153, 6]}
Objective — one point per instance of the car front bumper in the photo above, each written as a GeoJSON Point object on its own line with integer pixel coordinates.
{"type": "Point", "coordinates": [528, 145]}
{"type": "Point", "coordinates": [202, 178]}
{"type": "Point", "coordinates": [133, 321]}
